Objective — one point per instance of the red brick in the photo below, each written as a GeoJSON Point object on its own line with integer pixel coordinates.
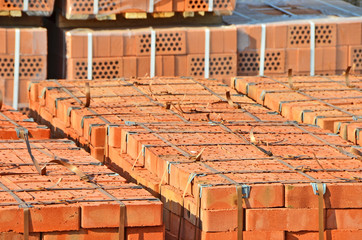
{"type": "Point", "coordinates": [261, 196]}
{"type": "Point", "coordinates": [18, 236]}
{"type": "Point", "coordinates": [341, 195]}
{"type": "Point", "coordinates": [282, 219]}
{"type": "Point", "coordinates": [142, 233]}
{"type": "Point", "coordinates": [348, 219]}
{"type": "Point", "coordinates": [107, 215]}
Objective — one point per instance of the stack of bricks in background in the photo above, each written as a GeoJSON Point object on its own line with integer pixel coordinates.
{"type": "Point", "coordinates": [128, 53]}
{"type": "Point", "coordinates": [332, 102]}
{"type": "Point", "coordinates": [338, 44]}
{"type": "Point", "coordinates": [30, 7]}
{"type": "Point", "coordinates": [75, 9]}
{"type": "Point", "coordinates": [72, 196]}
{"type": "Point", "coordinates": [23, 58]}
{"type": "Point", "coordinates": [281, 31]}
{"type": "Point", "coordinates": [220, 162]}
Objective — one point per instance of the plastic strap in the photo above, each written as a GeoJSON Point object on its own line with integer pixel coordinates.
{"type": "Point", "coordinates": [153, 54]}
{"type": "Point", "coordinates": [95, 6]}
{"type": "Point", "coordinates": [151, 6]}
{"type": "Point", "coordinates": [207, 53]}
{"type": "Point", "coordinates": [312, 48]}
{"type": "Point", "coordinates": [16, 69]}
{"type": "Point", "coordinates": [25, 5]}
{"type": "Point", "coordinates": [211, 5]}
{"type": "Point", "coordinates": [262, 50]}
{"type": "Point", "coordinates": [90, 56]}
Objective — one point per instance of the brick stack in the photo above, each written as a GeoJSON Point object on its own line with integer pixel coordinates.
{"type": "Point", "coordinates": [75, 9]}
{"type": "Point", "coordinates": [223, 165]}
{"type": "Point", "coordinates": [72, 196]}
{"type": "Point", "coordinates": [333, 103]}
{"type": "Point", "coordinates": [338, 44]}
{"type": "Point", "coordinates": [21, 63]}
{"type": "Point", "coordinates": [127, 53]}
{"type": "Point", "coordinates": [12, 120]}
{"type": "Point", "coordinates": [30, 7]}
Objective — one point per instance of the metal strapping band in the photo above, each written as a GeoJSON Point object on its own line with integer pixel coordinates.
{"type": "Point", "coordinates": [24, 134]}
{"type": "Point", "coordinates": [320, 189]}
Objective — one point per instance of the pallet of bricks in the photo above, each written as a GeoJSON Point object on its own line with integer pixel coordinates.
{"type": "Point", "coordinates": [300, 35]}
{"type": "Point", "coordinates": [169, 51]}
{"type": "Point", "coordinates": [23, 58]}
{"type": "Point", "coordinates": [224, 166]}
{"type": "Point", "coordinates": [52, 189]}
{"type": "Point", "coordinates": [107, 9]}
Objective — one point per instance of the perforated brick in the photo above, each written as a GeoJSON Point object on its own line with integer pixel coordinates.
{"type": "Point", "coordinates": [356, 57]}
{"type": "Point", "coordinates": [87, 7]}
{"type": "Point", "coordinates": [221, 65]}
{"type": "Point", "coordinates": [248, 62]}
{"type": "Point", "coordinates": [203, 5]}
{"type": "Point", "coordinates": [167, 43]}
{"type": "Point", "coordinates": [299, 35]}
{"type": "Point", "coordinates": [102, 68]}
{"type": "Point", "coordinates": [34, 5]}
{"type": "Point", "coordinates": [30, 67]}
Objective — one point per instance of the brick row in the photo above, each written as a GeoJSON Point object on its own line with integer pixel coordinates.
{"type": "Point", "coordinates": [74, 9]}
{"type": "Point", "coordinates": [12, 120]}
{"type": "Point", "coordinates": [120, 53]}
{"type": "Point", "coordinates": [332, 103]}
{"type": "Point", "coordinates": [287, 45]}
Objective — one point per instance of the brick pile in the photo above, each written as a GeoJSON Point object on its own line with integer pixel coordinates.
{"type": "Point", "coordinates": [223, 165]}
{"type": "Point", "coordinates": [338, 44]}
{"type": "Point", "coordinates": [24, 49]}
{"type": "Point", "coordinates": [128, 53]}
{"type": "Point", "coordinates": [56, 190]}
{"type": "Point", "coordinates": [30, 7]}
{"type": "Point", "coordinates": [12, 121]}
{"type": "Point", "coordinates": [76, 9]}
{"type": "Point", "coordinates": [333, 102]}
